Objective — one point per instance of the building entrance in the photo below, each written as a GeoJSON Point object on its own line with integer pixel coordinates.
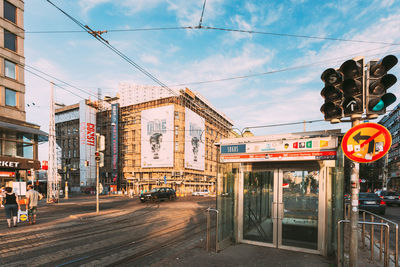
{"type": "Point", "coordinates": [280, 208]}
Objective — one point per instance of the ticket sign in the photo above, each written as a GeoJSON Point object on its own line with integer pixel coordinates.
{"type": "Point", "coordinates": [366, 142]}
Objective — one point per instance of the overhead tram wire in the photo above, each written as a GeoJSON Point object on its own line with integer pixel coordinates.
{"type": "Point", "coordinates": [97, 35]}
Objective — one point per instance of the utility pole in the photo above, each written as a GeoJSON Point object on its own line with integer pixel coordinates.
{"type": "Point", "coordinates": [354, 216]}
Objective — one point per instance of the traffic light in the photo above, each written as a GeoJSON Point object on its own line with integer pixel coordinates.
{"type": "Point", "coordinates": [378, 82]}
{"type": "Point", "coordinates": [353, 87]}
{"type": "Point", "coordinates": [332, 94]}
{"type": "Point", "coordinates": [97, 156]}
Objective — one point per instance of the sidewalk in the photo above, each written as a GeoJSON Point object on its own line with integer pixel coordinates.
{"type": "Point", "coordinates": [248, 255]}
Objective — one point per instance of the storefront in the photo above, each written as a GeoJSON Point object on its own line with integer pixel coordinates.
{"type": "Point", "coordinates": [281, 191]}
{"type": "Point", "coordinates": [19, 151]}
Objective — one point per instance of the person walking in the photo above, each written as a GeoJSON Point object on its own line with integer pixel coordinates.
{"type": "Point", "coordinates": [11, 206]}
{"type": "Point", "coordinates": [32, 198]}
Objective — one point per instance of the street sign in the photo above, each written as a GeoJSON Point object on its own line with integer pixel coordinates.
{"type": "Point", "coordinates": [366, 142]}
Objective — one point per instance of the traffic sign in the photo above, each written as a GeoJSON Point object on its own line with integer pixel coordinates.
{"type": "Point", "coordinates": [366, 142]}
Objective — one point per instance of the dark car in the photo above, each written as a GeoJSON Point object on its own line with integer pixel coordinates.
{"type": "Point", "coordinates": [371, 202]}
{"type": "Point", "coordinates": [390, 197]}
{"type": "Point", "coordinates": [157, 194]}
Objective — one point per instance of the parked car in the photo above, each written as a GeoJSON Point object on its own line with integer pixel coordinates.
{"type": "Point", "coordinates": [201, 193]}
{"type": "Point", "coordinates": [390, 197]}
{"type": "Point", "coordinates": [371, 202]}
{"type": "Point", "coordinates": [157, 194]}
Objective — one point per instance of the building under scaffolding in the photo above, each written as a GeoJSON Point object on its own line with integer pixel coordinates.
{"type": "Point", "coordinates": [158, 139]}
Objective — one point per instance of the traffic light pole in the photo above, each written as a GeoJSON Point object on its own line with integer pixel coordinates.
{"type": "Point", "coordinates": [354, 216]}
{"type": "Point", "coordinates": [97, 187]}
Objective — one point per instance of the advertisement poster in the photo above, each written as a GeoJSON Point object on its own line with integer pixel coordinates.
{"type": "Point", "coordinates": [114, 141]}
{"type": "Point", "coordinates": [87, 131]}
{"type": "Point", "coordinates": [194, 141]}
{"type": "Point", "coordinates": [157, 149]}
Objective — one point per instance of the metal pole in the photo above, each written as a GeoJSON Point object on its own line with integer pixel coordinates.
{"type": "Point", "coordinates": [97, 186]}
{"type": "Point", "coordinates": [354, 216]}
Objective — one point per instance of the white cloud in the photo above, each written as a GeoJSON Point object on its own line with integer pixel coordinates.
{"type": "Point", "coordinates": [150, 59]}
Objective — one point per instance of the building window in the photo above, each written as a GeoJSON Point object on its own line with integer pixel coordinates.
{"type": "Point", "coordinates": [10, 40]}
{"type": "Point", "coordinates": [11, 98]}
{"type": "Point", "coordinates": [10, 11]}
{"type": "Point", "coordinates": [176, 130]}
{"type": "Point", "coordinates": [176, 146]}
{"type": "Point", "coordinates": [176, 115]}
{"type": "Point", "coordinates": [10, 69]}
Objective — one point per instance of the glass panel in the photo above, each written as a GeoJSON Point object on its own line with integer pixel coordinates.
{"type": "Point", "coordinates": [10, 69]}
{"type": "Point", "coordinates": [300, 213]}
{"type": "Point", "coordinates": [25, 150]}
{"type": "Point", "coordinates": [11, 98]}
{"type": "Point", "coordinates": [10, 40]}
{"type": "Point", "coordinates": [226, 203]}
{"type": "Point", "coordinates": [9, 11]}
{"type": "Point", "coordinates": [257, 206]}
{"type": "Point", "coordinates": [10, 149]}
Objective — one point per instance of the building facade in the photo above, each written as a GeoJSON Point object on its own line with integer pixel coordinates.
{"type": "Point", "coordinates": [390, 164]}
{"type": "Point", "coordinates": [18, 138]}
{"type": "Point", "coordinates": [151, 141]}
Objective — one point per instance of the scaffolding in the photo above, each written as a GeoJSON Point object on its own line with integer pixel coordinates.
{"type": "Point", "coordinates": [53, 190]}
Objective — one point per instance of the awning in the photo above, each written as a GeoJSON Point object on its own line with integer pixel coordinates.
{"type": "Point", "coordinates": [42, 136]}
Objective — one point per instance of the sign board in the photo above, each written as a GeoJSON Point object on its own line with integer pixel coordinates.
{"type": "Point", "coordinates": [19, 188]}
{"type": "Point", "coordinates": [366, 142]}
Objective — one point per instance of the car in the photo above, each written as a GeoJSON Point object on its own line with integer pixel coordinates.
{"type": "Point", "coordinates": [371, 202]}
{"type": "Point", "coordinates": [390, 197]}
{"type": "Point", "coordinates": [205, 192]}
{"type": "Point", "coordinates": [157, 194]}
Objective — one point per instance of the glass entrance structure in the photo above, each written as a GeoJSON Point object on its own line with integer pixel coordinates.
{"type": "Point", "coordinates": [279, 191]}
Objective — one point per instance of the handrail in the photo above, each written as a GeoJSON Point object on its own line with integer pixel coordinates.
{"type": "Point", "coordinates": [382, 219]}
{"type": "Point", "coordinates": [339, 253]}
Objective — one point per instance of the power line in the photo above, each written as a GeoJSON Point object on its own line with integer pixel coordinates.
{"type": "Point", "coordinates": [295, 35]}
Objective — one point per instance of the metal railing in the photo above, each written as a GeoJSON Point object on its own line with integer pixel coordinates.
{"type": "Point", "coordinates": [386, 251]}
{"type": "Point", "coordinates": [208, 240]}
{"type": "Point", "coordinates": [376, 220]}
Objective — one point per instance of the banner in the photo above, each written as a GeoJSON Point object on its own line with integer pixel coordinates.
{"type": "Point", "coordinates": [114, 141]}
{"type": "Point", "coordinates": [87, 148]}
{"type": "Point", "coordinates": [157, 140]}
{"type": "Point", "coordinates": [194, 140]}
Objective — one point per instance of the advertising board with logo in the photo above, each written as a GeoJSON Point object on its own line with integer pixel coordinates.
{"type": "Point", "coordinates": [281, 150]}
{"type": "Point", "coordinates": [157, 140]}
{"type": "Point", "coordinates": [87, 148]}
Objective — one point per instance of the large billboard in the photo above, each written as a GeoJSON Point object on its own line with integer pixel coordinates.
{"type": "Point", "coordinates": [157, 140]}
{"type": "Point", "coordinates": [114, 141]}
{"type": "Point", "coordinates": [194, 141]}
{"type": "Point", "coordinates": [87, 148]}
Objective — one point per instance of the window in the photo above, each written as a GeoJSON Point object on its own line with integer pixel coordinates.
{"type": "Point", "coordinates": [176, 130]}
{"type": "Point", "coordinates": [176, 115]}
{"type": "Point", "coordinates": [11, 98]}
{"type": "Point", "coordinates": [10, 69]}
{"type": "Point", "coordinates": [10, 40]}
{"type": "Point", "coordinates": [10, 11]}
{"type": "Point", "coordinates": [176, 146]}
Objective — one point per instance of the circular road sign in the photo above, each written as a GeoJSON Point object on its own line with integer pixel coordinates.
{"type": "Point", "coordinates": [366, 142]}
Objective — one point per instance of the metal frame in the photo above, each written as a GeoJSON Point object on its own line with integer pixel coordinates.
{"type": "Point", "coordinates": [277, 211]}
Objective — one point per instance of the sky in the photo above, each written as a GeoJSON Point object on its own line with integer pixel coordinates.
{"type": "Point", "coordinates": [269, 77]}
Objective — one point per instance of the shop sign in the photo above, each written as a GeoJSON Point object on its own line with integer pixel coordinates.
{"type": "Point", "coordinates": [229, 149]}
{"type": "Point", "coordinates": [290, 156]}
{"type": "Point", "coordinates": [9, 164]}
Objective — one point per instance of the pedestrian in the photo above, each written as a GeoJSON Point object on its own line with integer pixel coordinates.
{"type": "Point", "coordinates": [11, 206]}
{"type": "Point", "coordinates": [32, 198]}
{"type": "Point", "coordinates": [2, 194]}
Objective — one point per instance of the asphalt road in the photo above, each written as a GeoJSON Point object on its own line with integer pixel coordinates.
{"type": "Point", "coordinates": [125, 233]}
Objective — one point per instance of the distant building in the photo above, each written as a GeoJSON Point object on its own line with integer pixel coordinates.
{"type": "Point", "coordinates": [18, 138]}
{"type": "Point", "coordinates": [391, 167]}
{"type": "Point", "coordinates": [152, 139]}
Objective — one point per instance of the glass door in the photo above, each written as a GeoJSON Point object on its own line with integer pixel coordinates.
{"type": "Point", "coordinates": [298, 209]}
{"type": "Point", "coordinates": [258, 201]}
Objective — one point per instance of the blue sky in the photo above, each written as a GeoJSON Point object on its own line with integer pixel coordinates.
{"type": "Point", "coordinates": [189, 56]}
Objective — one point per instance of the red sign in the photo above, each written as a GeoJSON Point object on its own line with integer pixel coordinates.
{"type": "Point", "coordinates": [366, 142]}
{"type": "Point", "coordinates": [45, 165]}
{"type": "Point", "coordinates": [90, 136]}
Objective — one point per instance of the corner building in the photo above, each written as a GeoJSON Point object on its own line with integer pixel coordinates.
{"type": "Point", "coordinates": [18, 138]}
